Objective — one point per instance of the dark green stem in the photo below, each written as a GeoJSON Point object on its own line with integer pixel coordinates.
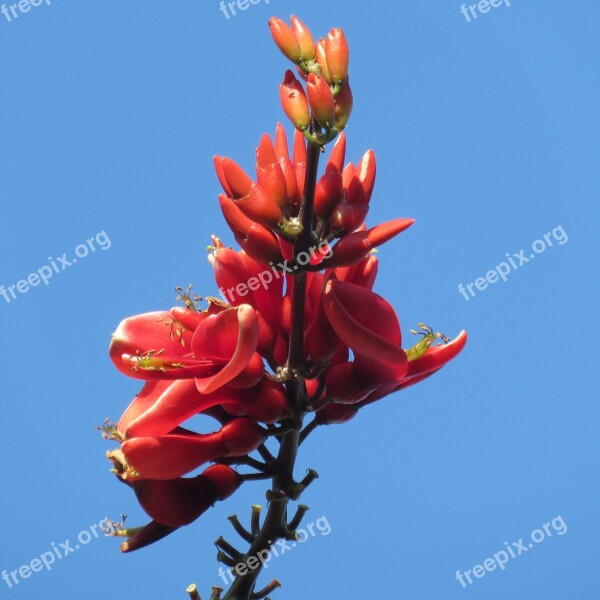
{"type": "Point", "coordinates": [284, 486]}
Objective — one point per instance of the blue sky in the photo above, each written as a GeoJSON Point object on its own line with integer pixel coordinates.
{"type": "Point", "coordinates": [486, 132]}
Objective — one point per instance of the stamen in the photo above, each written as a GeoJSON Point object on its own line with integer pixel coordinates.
{"type": "Point", "coordinates": [109, 431]}
{"type": "Point", "coordinates": [425, 343]}
{"type": "Point", "coordinates": [177, 329]}
{"type": "Point", "coordinates": [149, 361]}
{"type": "Point", "coordinates": [188, 297]}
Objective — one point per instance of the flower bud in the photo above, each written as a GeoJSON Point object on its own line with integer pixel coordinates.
{"type": "Point", "coordinates": [242, 436]}
{"type": "Point", "coordinates": [338, 155]}
{"type": "Point", "coordinates": [342, 385]}
{"type": "Point", "coordinates": [320, 99]}
{"type": "Point", "coordinates": [224, 479]}
{"type": "Point", "coordinates": [261, 245]}
{"type": "Point", "coordinates": [334, 413]}
{"type": "Point", "coordinates": [304, 38]}
{"type": "Point", "coordinates": [259, 206]}
{"type": "Point", "coordinates": [235, 178]}
{"type": "Point", "coordinates": [356, 246]}
{"type": "Point", "coordinates": [294, 102]}
{"type": "Point", "coordinates": [343, 106]}
{"type": "Point", "coordinates": [322, 60]}
{"type": "Point", "coordinates": [270, 404]}
{"type": "Point", "coordinates": [338, 55]}
{"type": "Point", "coordinates": [366, 170]}
{"type": "Point", "coordinates": [328, 193]}
{"type": "Point", "coordinates": [269, 173]}
{"type": "Point", "coordinates": [347, 217]}
{"type": "Point", "coordinates": [287, 167]}
{"type": "Point", "coordinates": [285, 39]}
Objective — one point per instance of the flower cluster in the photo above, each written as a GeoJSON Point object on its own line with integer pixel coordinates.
{"type": "Point", "coordinates": [314, 326]}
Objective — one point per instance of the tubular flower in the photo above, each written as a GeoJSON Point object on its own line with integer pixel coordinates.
{"type": "Point", "coordinates": [180, 452]}
{"type": "Point", "coordinates": [298, 328]}
{"type": "Point", "coordinates": [179, 502]}
{"type": "Point", "coordinates": [370, 327]}
{"type": "Point", "coordinates": [159, 346]}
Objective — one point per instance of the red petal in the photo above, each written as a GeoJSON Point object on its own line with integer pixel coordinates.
{"type": "Point", "coordinates": [231, 335]}
{"type": "Point", "coordinates": [142, 333]}
{"type": "Point", "coordinates": [180, 401]}
{"type": "Point", "coordinates": [175, 502]}
{"type": "Point", "coordinates": [437, 356]}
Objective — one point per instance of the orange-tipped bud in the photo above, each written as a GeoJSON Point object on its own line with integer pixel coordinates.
{"type": "Point", "coordinates": [304, 39]}
{"type": "Point", "coordinates": [320, 99]}
{"type": "Point", "coordinates": [285, 39]}
{"type": "Point", "coordinates": [294, 102]}
{"type": "Point", "coordinates": [322, 60]}
{"type": "Point", "coordinates": [343, 106]}
{"type": "Point", "coordinates": [338, 55]}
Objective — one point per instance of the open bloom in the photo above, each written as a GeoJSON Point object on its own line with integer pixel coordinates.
{"type": "Point", "coordinates": [369, 326]}
{"type": "Point", "coordinates": [214, 349]}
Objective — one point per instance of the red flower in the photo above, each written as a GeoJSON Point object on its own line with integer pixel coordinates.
{"type": "Point", "coordinates": [179, 502]}
{"type": "Point", "coordinates": [219, 350]}
{"type": "Point", "coordinates": [302, 281]}
{"type": "Point", "coordinates": [369, 326]}
{"type": "Point", "coordinates": [179, 452]}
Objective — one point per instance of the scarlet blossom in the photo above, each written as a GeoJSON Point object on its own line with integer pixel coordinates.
{"type": "Point", "coordinates": [180, 452]}
{"type": "Point", "coordinates": [179, 502]}
{"type": "Point", "coordinates": [298, 330]}
{"type": "Point", "coordinates": [161, 345]}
